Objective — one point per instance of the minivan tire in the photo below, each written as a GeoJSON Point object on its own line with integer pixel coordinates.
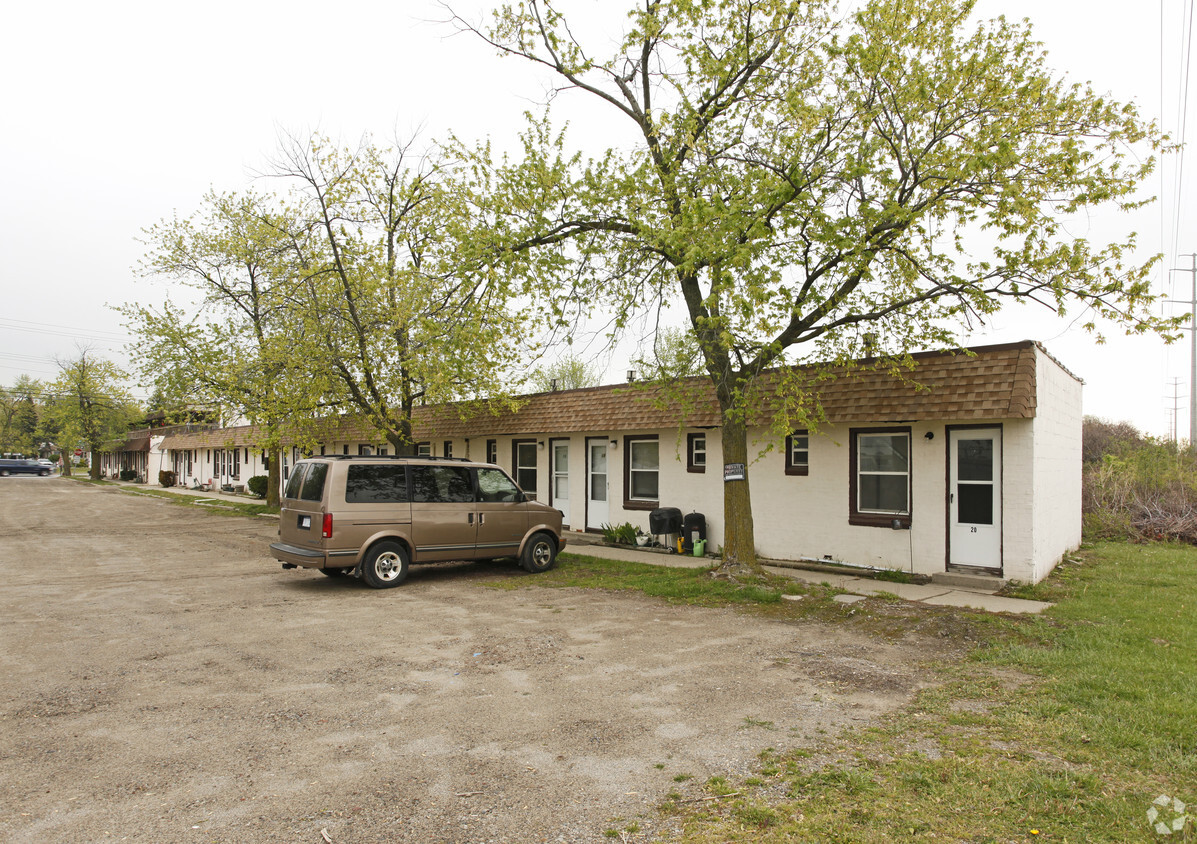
{"type": "Point", "coordinates": [385, 565]}
{"type": "Point", "coordinates": [539, 554]}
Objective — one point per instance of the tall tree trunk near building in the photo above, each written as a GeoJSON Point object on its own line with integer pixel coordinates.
{"type": "Point", "coordinates": [739, 541]}
{"type": "Point", "coordinates": [65, 457]}
{"type": "Point", "coordinates": [274, 474]}
{"type": "Point", "coordinates": [94, 470]}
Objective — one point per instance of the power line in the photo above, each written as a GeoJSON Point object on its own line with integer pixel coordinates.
{"type": "Point", "coordinates": [91, 332]}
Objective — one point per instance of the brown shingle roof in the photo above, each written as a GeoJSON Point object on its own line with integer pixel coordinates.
{"type": "Point", "coordinates": [991, 382]}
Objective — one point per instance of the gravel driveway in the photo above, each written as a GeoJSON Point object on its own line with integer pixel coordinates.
{"type": "Point", "coordinates": [164, 680]}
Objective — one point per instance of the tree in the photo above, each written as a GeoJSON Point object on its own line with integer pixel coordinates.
{"type": "Point", "coordinates": [567, 373]}
{"type": "Point", "coordinates": [387, 312]}
{"type": "Point", "coordinates": [233, 349]}
{"type": "Point", "coordinates": [798, 179]}
{"type": "Point", "coordinates": [19, 415]}
{"type": "Point", "coordinates": [91, 404]}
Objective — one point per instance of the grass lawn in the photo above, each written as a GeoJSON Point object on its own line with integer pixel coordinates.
{"type": "Point", "coordinates": [223, 506]}
{"type": "Point", "coordinates": [1062, 727]}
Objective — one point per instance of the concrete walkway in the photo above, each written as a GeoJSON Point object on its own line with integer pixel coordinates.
{"type": "Point", "coordinates": [857, 587]}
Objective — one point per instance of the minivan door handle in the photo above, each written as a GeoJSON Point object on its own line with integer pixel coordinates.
{"type": "Point", "coordinates": [471, 518]}
{"type": "Point", "coordinates": [481, 518]}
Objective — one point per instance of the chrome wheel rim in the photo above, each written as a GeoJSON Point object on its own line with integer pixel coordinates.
{"type": "Point", "coordinates": [542, 554]}
{"type": "Point", "coordinates": [388, 565]}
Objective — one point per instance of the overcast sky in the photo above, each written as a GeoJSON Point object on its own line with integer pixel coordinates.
{"type": "Point", "coordinates": [117, 115]}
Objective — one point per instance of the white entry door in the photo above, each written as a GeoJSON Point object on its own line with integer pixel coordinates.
{"type": "Point", "coordinates": [975, 498]}
{"type": "Point", "coordinates": [560, 493]}
{"type": "Point", "coordinates": [597, 511]}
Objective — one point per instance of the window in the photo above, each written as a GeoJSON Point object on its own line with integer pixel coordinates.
{"type": "Point", "coordinates": [423, 449]}
{"type": "Point", "coordinates": [642, 469]}
{"type": "Point", "coordinates": [382, 451]}
{"type": "Point", "coordinates": [365, 451]}
{"type": "Point", "coordinates": [376, 485]}
{"type": "Point", "coordinates": [313, 482]}
{"type": "Point", "coordinates": [696, 452]}
{"type": "Point", "coordinates": [345, 448]}
{"type": "Point", "coordinates": [494, 485]}
{"type": "Point", "coordinates": [236, 470]}
{"type": "Point", "coordinates": [523, 461]}
{"type": "Point", "coordinates": [798, 453]}
{"type": "Point", "coordinates": [492, 451]}
{"type": "Point", "coordinates": [293, 483]}
{"type": "Point", "coordinates": [448, 452]}
{"type": "Point", "coordinates": [441, 485]}
{"type": "Point", "coordinates": [880, 482]}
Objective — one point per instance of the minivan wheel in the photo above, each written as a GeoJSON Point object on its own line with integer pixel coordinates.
{"type": "Point", "coordinates": [539, 554]}
{"type": "Point", "coordinates": [385, 565]}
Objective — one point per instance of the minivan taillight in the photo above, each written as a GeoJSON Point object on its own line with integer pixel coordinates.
{"type": "Point", "coordinates": [326, 532]}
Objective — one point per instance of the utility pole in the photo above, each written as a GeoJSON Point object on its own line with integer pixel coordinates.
{"type": "Point", "coordinates": [1193, 348]}
{"type": "Point", "coordinates": [1175, 409]}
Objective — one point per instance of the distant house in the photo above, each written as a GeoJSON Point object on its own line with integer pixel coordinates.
{"type": "Point", "coordinates": [969, 462]}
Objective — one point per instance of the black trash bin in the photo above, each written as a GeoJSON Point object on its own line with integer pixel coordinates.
{"type": "Point", "coordinates": [694, 529]}
{"type": "Point", "coordinates": [665, 520]}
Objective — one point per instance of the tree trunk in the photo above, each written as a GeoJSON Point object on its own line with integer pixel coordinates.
{"type": "Point", "coordinates": [94, 470]}
{"type": "Point", "coordinates": [65, 459]}
{"type": "Point", "coordinates": [274, 475]}
{"type": "Point", "coordinates": [739, 542]}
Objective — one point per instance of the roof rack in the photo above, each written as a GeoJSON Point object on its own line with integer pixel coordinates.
{"type": "Point", "coordinates": [389, 457]}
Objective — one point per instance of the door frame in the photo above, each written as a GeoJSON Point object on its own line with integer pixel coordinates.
{"type": "Point", "coordinates": [586, 480]}
{"type": "Point", "coordinates": [999, 476]}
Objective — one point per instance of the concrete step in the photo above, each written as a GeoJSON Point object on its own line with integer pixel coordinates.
{"type": "Point", "coordinates": [966, 580]}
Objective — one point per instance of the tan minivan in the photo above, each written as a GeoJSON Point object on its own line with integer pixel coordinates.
{"type": "Point", "coordinates": [372, 516]}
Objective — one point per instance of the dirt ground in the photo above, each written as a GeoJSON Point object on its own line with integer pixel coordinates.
{"type": "Point", "coordinates": [164, 680]}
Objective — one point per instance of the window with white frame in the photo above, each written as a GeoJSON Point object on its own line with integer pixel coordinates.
{"type": "Point", "coordinates": [696, 452]}
{"type": "Point", "coordinates": [880, 482]}
{"type": "Point", "coordinates": [798, 453]}
{"type": "Point", "coordinates": [642, 472]}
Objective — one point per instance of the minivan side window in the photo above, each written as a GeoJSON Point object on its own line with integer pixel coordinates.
{"type": "Point", "coordinates": [294, 482]}
{"type": "Point", "coordinates": [313, 482]}
{"type": "Point", "coordinates": [376, 485]}
{"type": "Point", "coordinates": [494, 485]}
{"type": "Point", "coordinates": [441, 485]}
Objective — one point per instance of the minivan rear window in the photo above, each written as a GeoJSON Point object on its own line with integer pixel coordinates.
{"type": "Point", "coordinates": [313, 482]}
{"type": "Point", "coordinates": [376, 485]}
{"type": "Point", "coordinates": [441, 484]}
{"type": "Point", "coordinates": [294, 482]}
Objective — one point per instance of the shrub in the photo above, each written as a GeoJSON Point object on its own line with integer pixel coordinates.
{"type": "Point", "coordinates": [128, 475]}
{"type": "Point", "coordinates": [624, 534]}
{"type": "Point", "coordinates": [257, 485]}
{"type": "Point", "coordinates": [1142, 491]}
{"type": "Point", "coordinates": [167, 478]}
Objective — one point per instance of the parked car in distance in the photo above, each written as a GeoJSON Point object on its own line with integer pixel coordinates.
{"type": "Point", "coordinates": [10, 466]}
{"type": "Point", "coordinates": [374, 516]}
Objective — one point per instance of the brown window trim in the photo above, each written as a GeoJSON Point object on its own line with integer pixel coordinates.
{"type": "Point", "coordinates": [630, 503]}
{"type": "Point", "coordinates": [691, 466]}
{"type": "Point", "coordinates": [492, 448]}
{"type": "Point", "coordinates": [515, 464]}
{"type": "Point", "coordinates": [883, 520]}
{"type": "Point", "coordinates": [792, 468]}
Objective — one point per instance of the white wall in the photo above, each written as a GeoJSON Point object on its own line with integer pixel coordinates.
{"type": "Point", "coordinates": [1056, 477]}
